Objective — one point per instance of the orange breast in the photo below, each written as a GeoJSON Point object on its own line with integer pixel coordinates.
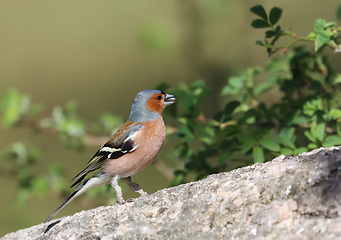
{"type": "Point", "coordinates": [149, 139]}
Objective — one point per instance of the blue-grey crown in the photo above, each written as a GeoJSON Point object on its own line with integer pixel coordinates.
{"type": "Point", "coordinates": [139, 112]}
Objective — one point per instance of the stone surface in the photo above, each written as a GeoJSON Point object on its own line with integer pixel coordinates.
{"type": "Point", "coordinates": [288, 198]}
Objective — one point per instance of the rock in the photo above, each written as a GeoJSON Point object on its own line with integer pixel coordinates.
{"type": "Point", "coordinates": [287, 198]}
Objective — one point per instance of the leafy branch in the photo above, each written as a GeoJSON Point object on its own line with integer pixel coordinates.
{"type": "Point", "coordinates": [324, 34]}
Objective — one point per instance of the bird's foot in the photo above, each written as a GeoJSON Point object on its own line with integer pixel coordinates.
{"type": "Point", "coordinates": [126, 201]}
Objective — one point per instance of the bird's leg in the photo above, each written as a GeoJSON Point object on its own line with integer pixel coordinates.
{"type": "Point", "coordinates": [134, 186]}
{"type": "Point", "coordinates": [114, 184]}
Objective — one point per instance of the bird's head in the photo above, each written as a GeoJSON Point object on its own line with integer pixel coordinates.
{"type": "Point", "coordinates": [149, 105]}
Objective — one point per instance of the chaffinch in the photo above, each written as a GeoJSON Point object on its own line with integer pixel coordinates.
{"type": "Point", "coordinates": [132, 148]}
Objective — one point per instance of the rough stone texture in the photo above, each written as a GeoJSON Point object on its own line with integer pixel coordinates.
{"type": "Point", "coordinates": [287, 198]}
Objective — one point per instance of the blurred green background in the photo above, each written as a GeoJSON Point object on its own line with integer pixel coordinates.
{"type": "Point", "coordinates": [101, 53]}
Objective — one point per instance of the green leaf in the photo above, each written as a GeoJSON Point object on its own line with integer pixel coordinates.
{"type": "Point", "coordinates": [207, 140]}
{"type": "Point", "coordinates": [261, 133]}
{"type": "Point", "coordinates": [259, 11]}
{"type": "Point", "coordinates": [270, 34]}
{"type": "Point", "coordinates": [321, 39]}
{"type": "Point", "coordinates": [283, 139]}
{"type": "Point", "coordinates": [278, 30]}
{"type": "Point", "coordinates": [287, 151]}
{"type": "Point", "coordinates": [337, 79]}
{"type": "Point", "coordinates": [237, 82]}
{"type": "Point", "coordinates": [312, 35]}
{"type": "Point", "coordinates": [319, 25]}
{"type": "Point", "coordinates": [223, 158]}
{"type": "Point", "coordinates": [313, 126]}
{"type": "Point", "coordinates": [186, 133]}
{"type": "Point", "coordinates": [335, 113]}
{"type": "Point", "coordinates": [275, 15]}
{"type": "Point", "coordinates": [299, 120]}
{"type": "Point", "coordinates": [263, 87]}
{"type": "Point", "coordinates": [286, 137]}
{"type": "Point", "coordinates": [259, 23]}
{"type": "Point", "coordinates": [244, 138]}
{"type": "Point", "coordinates": [320, 131]}
{"type": "Point", "coordinates": [290, 133]}
{"type": "Point", "coordinates": [228, 90]}
{"type": "Point", "coordinates": [230, 107]}
{"type": "Point", "coordinates": [312, 146]}
{"type": "Point", "coordinates": [331, 141]}
{"type": "Point", "coordinates": [11, 108]}
{"type": "Point", "coordinates": [270, 144]}
{"type": "Point", "coordinates": [247, 145]}
{"type": "Point", "coordinates": [301, 150]}
{"type": "Point", "coordinates": [330, 24]}
{"type": "Point", "coordinates": [260, 43]}
{"type": "Point", "coordinates": [198, 84]}
{"type": "Point", "coordinates": [309, 136]}
{"type": "Point", "coordinates": [186, 103]}
{"type": "Point", "coordinates": [258, 154]}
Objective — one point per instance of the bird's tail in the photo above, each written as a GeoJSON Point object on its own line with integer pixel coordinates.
{"type": "Point", "coordinates": [84, 186]}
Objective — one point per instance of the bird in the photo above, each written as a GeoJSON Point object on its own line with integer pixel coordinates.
{"type": "Point", "coordinates": [132, 148]}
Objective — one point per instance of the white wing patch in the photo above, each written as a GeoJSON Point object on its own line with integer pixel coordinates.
{"type": "Point", "coordinates": [109, 149]}
{"type": "Point", "coordinates": [112, 150]}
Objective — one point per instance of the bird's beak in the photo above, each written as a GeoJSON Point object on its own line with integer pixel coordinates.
{"type": "Point", "coordinates": [169, 99]}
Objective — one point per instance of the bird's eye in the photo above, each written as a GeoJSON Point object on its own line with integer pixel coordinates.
{"type": "Point", "coordinates": [159, 97]}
